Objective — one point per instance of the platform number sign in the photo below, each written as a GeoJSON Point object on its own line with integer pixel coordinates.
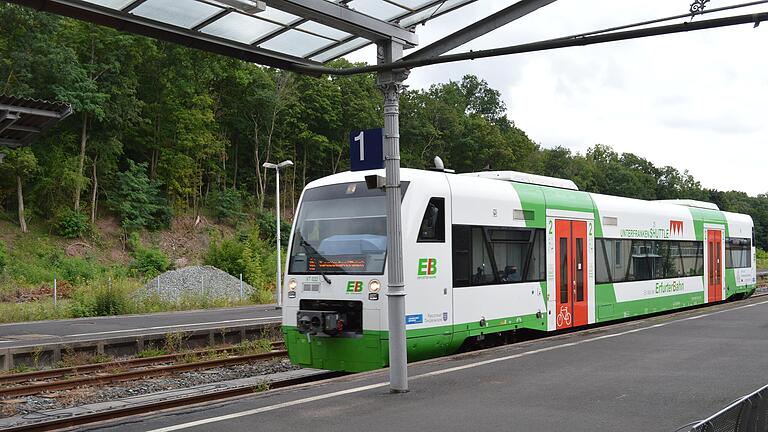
{"type": "Point", "coordinates": [366, 149]}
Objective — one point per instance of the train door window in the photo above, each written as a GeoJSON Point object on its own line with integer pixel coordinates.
{"type": "Point", "coordinates": [617, 259]}
{"type": "Point", "coordinates": [482, 266]}
{"type": "Point", "coordinates": [579, 269]}
{"type": "Point", "coordinates": [462, 248]}
{"type": "Point", "coordinates": [563, 270]}
{"type": "Point", "coordinates": [432, 227]}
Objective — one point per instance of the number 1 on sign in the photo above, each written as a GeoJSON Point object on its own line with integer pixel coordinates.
{"type": "Point", "coordinates": [361, 137]}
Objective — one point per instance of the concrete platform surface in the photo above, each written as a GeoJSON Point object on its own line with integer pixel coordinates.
{"type": "Point", "coordinates": [656, 374]}
{"type": "Point", "coordinates": [86, 329]}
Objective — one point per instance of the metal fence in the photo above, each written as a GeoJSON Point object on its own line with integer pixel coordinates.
{"type": "Point", "coordinates": [747, 414]}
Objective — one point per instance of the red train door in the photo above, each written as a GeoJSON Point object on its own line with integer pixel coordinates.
{"type": "Point", "coordinates": [715, 266]}
{"type": "Point", "coordinates": [571, 273]}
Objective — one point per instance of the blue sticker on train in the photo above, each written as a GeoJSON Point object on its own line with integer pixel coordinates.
{"type": "Point", "coordinates": [414, 319]}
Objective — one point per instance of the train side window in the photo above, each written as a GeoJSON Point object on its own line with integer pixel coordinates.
{"type": "Point", "coordinates": [462, 252]}
{"type": "Point", "coordinates": [432, 227]}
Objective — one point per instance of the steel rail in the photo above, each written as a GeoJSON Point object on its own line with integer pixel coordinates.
{"type": "Point", "coordinates": [31, 389]}
{"type": "Point", "coordinates": [113, 365]}
{"type": "Point", "coordinates": [94, 417]}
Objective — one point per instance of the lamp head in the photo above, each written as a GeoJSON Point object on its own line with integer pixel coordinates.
{"type": "Point", "coordinates": [285, 164]}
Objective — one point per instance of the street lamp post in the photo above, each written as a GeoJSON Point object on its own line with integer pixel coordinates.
{"type": "Point", "coordinates": [277, 168]}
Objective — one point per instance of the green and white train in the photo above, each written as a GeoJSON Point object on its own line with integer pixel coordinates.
{"type": "Point", "coordinates": [493, 252]}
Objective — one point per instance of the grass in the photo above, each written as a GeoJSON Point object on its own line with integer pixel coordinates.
{"type": "Point", "coordinates": [151, 352]}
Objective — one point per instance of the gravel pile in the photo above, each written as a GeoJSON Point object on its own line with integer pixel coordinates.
{"type": "Point", "coordinates": [89, 395]}
{"type": "Point", "coordinates": [189, 281]}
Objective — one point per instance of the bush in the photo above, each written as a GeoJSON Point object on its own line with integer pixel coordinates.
{"type": "Point", "coordinates": [102, 299]}
{"type": "Point", "coordinates": [72, 224]}
{"type": "Point", "coordinates": [147, 261]}
{"type": "Point", "coordinates": [3, 257]}
{"type": "Point", "coordinates": [268, 228]}
{"type": "Point", "coordinates": [762, 259]}
{"type": "Point", "coordinates": [227, 205]}
{"type": "Point", "coordinates": [226, 255]}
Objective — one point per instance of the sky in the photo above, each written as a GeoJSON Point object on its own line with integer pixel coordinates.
{"type": "Point", "coordinates": [695, 101]}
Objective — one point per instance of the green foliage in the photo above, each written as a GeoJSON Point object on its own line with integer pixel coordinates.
{"type": "Point", "coordinates": [762, 259]}
{"type": "Point", "coordinates": [151, 352]}
{"type": "Point", "coordinates": [101, 299]}
{"type": "Point", "coordinates": [227, 205]}
{"type": "Point", "coordinates": [3, 257]}
{"type": "Point", "coordinates": [227, 255]}
{"type": "Point", "coordinates": [268, 228]}
{"type": "Point", "coordinates": [137, 200]}
{"type": "Point", "coordinates": [147, 261]}
{"type": "Point", "coordinates": [72, 224]}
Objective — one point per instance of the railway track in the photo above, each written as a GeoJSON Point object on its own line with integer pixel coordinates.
{"type": "Point", "coordinates": [94, 417]}
{"type": "Point", "coordinates": [106, 373]}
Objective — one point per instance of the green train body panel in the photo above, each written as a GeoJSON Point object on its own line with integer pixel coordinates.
{"type": "Point", "coordinates": [441, 317]}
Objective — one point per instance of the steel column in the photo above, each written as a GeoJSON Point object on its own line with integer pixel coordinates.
{"type": "Point", "coordinates": [391, 84]}
{"type": "Point", "coordinates": [279, 286]}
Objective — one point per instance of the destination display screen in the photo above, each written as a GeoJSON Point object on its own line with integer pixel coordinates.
{"type": "Point", "coordinates": [332, 265]}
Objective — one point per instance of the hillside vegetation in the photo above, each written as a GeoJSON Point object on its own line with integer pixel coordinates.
{"type": "Point", "coordinates": [164, 136]}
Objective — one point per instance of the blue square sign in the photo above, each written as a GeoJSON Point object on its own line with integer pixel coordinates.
{"type": "Point", "coordinates": [366, 149]}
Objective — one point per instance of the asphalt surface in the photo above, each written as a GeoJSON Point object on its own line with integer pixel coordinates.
{"type": "Point", "coordinates": [85, 329]}
{"type": "Point", "coordinates": [656, 374]}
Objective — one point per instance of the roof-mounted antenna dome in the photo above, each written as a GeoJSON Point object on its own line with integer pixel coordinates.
{"type": "Point", "coordinates": [440, 166]}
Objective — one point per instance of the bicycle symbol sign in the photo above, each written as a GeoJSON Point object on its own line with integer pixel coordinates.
{"type": "Point", "coordinates": [563, 316]}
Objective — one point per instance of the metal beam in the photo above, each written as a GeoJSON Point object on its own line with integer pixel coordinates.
{"type": "Point", "coordinates": [479, 28]}
{"type": "Point", "coordinates": [343, 18]}
{"type": "Point", "coordinates": [134, 24]}
{"type": "Point", "coordinates": [9, 143]}
{"type": "Point", "coordinates": [545, 45]}
{"type": "Point", "coordinates": [23, 128]}
{"type": "Point", "coordinates": [31, 111]}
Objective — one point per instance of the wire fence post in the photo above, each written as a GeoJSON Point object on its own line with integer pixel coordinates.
{"type": "Point", "coordinates": [241, 287]}
{"type": "Point", "coordinates": [202, 288]}
{"type": "Point", "coordinates": [55, 291]}
{"type": "Point", "coordinates": [158, 285]}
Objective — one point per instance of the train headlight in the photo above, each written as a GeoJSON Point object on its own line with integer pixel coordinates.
{"type": "Point", "coordinates": [374, 286]}
{"type": "Point", "coordinates": [292, 284]}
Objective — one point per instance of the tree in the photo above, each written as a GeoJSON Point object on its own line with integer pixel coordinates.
{"type": "Point", "coordinates": [19, 165]}
{"type": "Point", "coordinates": [137, 200]}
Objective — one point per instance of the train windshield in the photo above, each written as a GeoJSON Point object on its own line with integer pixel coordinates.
{"type": "Point", "coordinates": [340, 229]}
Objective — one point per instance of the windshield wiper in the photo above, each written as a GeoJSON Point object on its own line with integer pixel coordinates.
{"type": "Point", "coordinates": [313, 254]}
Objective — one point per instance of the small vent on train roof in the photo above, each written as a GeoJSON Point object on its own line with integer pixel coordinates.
{"type": "Point", "coordinates": [692, 203]}
{"type": "Point", "coordinates": [521, 177]}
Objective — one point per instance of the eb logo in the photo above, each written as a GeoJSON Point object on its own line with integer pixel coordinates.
{"type": "Point", "coordinates": [427, 267]}
{"type": "Point", "coordinates": [354, 287]}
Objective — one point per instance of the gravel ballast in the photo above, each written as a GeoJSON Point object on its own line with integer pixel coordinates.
{"type": "Point", "coordinates": [90, 395]}
{"type": "Point", "coordinates": [192, 281]}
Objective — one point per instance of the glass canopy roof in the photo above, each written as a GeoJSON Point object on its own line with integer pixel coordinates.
{"type": "Point", "coordinates": [294, 31]}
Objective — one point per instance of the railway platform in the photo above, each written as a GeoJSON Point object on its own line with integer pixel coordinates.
{"type": "Point", "coordinates": [43, 342]}
{"type": "Point", "coordinates": [656, 374]}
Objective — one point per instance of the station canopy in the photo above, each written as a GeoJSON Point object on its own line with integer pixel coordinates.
{"type": "Point", "coordinates": [24, 119]}
{"type": "Point", "coordinates": [279, 33]}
